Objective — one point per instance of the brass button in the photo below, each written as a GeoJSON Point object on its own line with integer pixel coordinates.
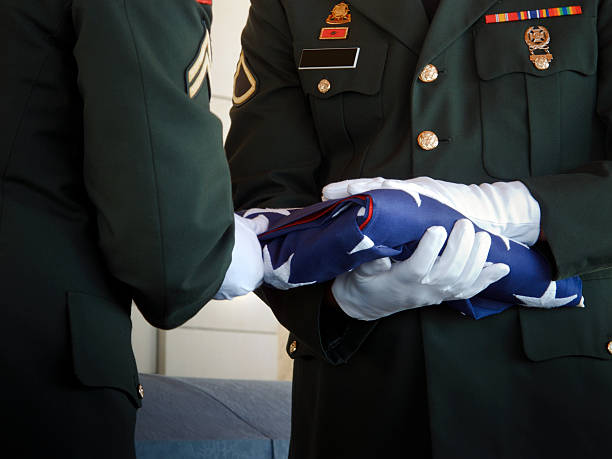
{"type": "Point", "coordinates": [610, 347]}
{"type": "Point", "coordinates": [324, 86]}
{"type": "Point", "coordinates": [140, 391]}
{"type": "Point", "coordinates": [428, 140]}
{"type": "Point", "coordinates": [293, 347]}
{"type": "Point", "coordinates": [429, 73]}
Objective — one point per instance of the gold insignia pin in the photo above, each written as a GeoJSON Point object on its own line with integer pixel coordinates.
{"type": "Point", "coordinates": [538, 39]}
{"type": "Point", "coordinates": [340, 14]}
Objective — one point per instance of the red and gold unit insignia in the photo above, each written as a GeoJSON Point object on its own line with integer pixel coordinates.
{"type": "Point", "coordinates": [334, 33]}
{"type": "Point", "coordinates": [340, 14]}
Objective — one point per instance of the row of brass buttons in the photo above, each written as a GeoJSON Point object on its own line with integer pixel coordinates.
{"type": "Point", "coordinates": [428, 74]}
{"type": "Point", "coordinates": [428, 140]}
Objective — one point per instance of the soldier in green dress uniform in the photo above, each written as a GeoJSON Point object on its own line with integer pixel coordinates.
{"type": "Point", "coordinates": [114, 186]}
{"type": "Point", "coordinates": [484, 91]}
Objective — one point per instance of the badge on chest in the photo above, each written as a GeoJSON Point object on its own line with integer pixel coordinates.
{"type": "Point", "coordinates": [536, 37]}
{"type": "Point", "coordinates": [340, 14]}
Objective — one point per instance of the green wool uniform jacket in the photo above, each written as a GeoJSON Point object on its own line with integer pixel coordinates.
{"type": "Point", "coordinates": [527, 383]}
{"type": "Point", "coordinates": [113, 186]}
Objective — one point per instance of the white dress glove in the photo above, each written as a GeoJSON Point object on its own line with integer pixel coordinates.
{"type": "Point", "coordinates": [504, 208]}
{"type": "Point", "coordinates": [246, 271]}
{"type": "Point", "coordinates": [379, 288]}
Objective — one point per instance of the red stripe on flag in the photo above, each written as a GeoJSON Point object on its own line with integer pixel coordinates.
{"type": "Point", "coordinates": [319, 214]}
{"type": "Point", "coordinates": [367, 220]}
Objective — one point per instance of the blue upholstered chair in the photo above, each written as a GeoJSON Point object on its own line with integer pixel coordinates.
{"type": "Point", "coordinates": [213, 418]}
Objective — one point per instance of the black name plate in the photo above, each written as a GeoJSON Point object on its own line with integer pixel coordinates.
{"type": "Point", "coordinates": [329, 58]}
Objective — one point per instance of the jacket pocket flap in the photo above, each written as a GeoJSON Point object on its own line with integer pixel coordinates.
{"type": "Point", "coordinates": [101, 344]}
{"type": "Point", "coordinates": [565, 332]}
{"type": "Point", "coordinates": [501, 48]}
{"type": "Point", "coordinates": [365, 78]}
{"type": "Point", "coordinates": [297, 349]}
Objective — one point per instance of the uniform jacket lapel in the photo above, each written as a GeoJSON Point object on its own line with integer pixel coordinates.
{"type": "Point", "coordinates": [452, 19]}
{"type": "Point", "coordinates": [408, 22]}
{"type": "Point", "coordinates": [405, 19]}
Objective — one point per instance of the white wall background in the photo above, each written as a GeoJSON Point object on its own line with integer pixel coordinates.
{"type": "Point", "coordinates": [241, 338]}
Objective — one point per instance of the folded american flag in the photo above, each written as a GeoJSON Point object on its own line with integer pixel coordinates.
{"type": "Point", "coordinates": [319, 242]}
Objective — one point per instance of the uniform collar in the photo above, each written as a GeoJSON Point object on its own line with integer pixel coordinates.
{"type": "Point", "coordinates": [452, 19]}
{"type": "Point", "coordinates": [407, 21]}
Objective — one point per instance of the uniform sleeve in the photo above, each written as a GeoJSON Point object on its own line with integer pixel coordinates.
{"type": "Point", "coordinates": [577, 207]}
{"type": "Point", "coordinates": [274, 159]}
{"type": "Point", "coordinates": [154, 165]}
{"type": "Point", "coordinates": [272, 145]}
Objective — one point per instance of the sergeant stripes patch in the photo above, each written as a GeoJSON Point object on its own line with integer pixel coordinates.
{"type": "Point", "coordinates": [199, 68]}
{"type": "Point", "coordinates": [533, 14]}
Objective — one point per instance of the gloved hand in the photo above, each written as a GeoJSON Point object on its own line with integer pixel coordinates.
{"type": "Point", "coordinates": [504, 208]}
{"type": "Point", "coordinates": [246, 271]}
{"type": "Point", "coordinates": [379, 288]}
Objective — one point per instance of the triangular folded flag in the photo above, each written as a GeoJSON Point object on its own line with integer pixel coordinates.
{"type": "Point", "coordinates": [319, 242]}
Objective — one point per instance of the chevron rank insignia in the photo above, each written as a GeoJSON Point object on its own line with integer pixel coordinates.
{"type": "Point", "coordinates": [245, 83]}
{"type": "Point", "coordinates": [198, 69]}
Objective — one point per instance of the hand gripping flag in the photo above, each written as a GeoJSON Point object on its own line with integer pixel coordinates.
{"type": "Point", "coordinates": [317, 243]}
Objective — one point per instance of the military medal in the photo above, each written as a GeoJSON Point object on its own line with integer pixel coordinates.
{"type": "Point", "coordinates": [340, 14]}
{"type": "Point", "coordinates": [537, 39]}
